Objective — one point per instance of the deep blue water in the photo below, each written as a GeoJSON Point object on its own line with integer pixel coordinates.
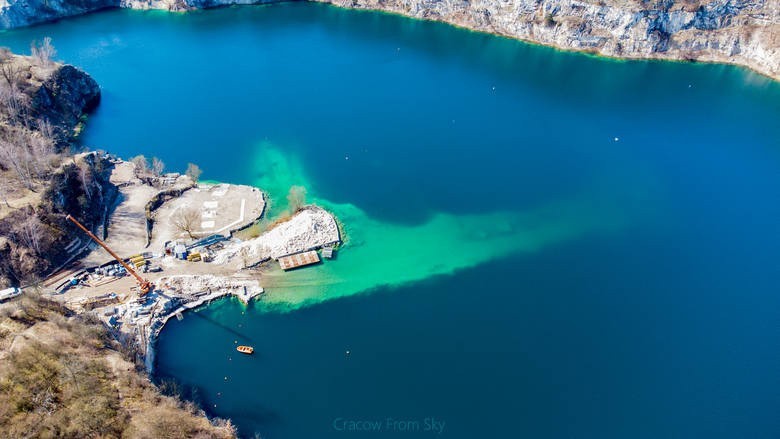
{"type": "Point", "coordinates": [665, 324]}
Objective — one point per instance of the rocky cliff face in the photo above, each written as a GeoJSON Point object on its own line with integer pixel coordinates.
{"type": "Point", "coordinates": [745, 32]}
{"type": "Point", "coordinates": [17, 13]}
{"type": "Point", "coordinates": [44, 91]}
{"type": "Point", "coordinates": [40, 184]}
{"type": "Point", "coordinates": [63, 98]}
{"type": "Point", "coordinates": [34, 238]}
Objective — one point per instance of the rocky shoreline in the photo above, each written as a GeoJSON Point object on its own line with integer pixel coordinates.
{"type": "Point", "coordinates": [137, 211]}
{"type": "Point", "coordinates": [722, 31]}
{"type": "Point", "coordinates": [742, 32]}
{"type": "Point", "coordinates": [215, 263]}
{"type": "Point", "coordinates": [137, 322]}
{"type": "Point", "coordinates": [42, 108]}
{"type": "Point", "coordinates": [176, 232]}
{"type": "Point", "coordinates": [185, 293]}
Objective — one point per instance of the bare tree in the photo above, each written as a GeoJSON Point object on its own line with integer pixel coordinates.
{"type": "Point", "coordinates": [185, 220]}
{"type": "Point", "coordinates": [8, 156]}
{"type": "Point", "coordinates": [30, 232]}
{"type": "Point", "coordinates": [44, 145]}
{"type": "Point", "coordinates": [46, 128]}
{"type": "Point", "coordinates": [43, 53]}
{"type": "Point", "coordinates": [86, 179]}
{"type": "Point", "coordinates": [141, 165]}
{"type": "Point", "coordinates": [193, 171]}
{"type": "Point", "coordinates": [16, 154]}
{"type": "Point", "coordinates": [11, 71]}
{"type": "Point", "coordinates": [157, 166]}
{"type": "Point", "coordinates": [13, 102]}
{"type": "Point", "coordinates": [5, 54]}
{"type": "Point", "coordinates": [4, 186]}
{"type": "Point", "coordinates": [296, 198]}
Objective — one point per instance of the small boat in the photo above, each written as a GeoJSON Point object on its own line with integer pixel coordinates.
{"type": "Point", "coordinates": [246, 350]}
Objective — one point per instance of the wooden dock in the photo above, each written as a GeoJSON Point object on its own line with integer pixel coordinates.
{"type": "Point", "coordinates": [290, 262]}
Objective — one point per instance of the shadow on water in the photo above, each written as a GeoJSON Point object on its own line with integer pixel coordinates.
{"type": "Point", "coordinates": [255, 414]}
{"type": "Point", "coordinates": [203, 315]}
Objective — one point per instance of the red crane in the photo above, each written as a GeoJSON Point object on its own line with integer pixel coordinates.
{"type": "Point", "coordinates": [144, 285]}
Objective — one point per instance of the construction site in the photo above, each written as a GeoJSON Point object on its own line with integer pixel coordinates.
{"type": "Point", "coordinates": [170, 246]}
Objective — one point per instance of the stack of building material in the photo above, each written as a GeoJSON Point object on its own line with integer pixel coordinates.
{"type": "Point", "coordinates": [298, 260]}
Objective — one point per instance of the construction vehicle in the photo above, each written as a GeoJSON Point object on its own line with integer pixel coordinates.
{"type": "Point", "coordinates": [144, 285]}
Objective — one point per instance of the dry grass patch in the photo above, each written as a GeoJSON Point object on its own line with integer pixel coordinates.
{"type": "Point", "coordinates": [64, 377]}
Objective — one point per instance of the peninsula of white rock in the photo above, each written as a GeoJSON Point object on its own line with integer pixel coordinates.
{"type": "Point", "coordinates": [310, 228]}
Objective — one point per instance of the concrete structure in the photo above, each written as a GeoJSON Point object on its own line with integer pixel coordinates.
{"type": "Point", "coordinates": [209, 210]}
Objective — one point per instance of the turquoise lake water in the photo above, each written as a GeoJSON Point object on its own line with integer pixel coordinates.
{"type": "Point", "coordinates": [540, 244]}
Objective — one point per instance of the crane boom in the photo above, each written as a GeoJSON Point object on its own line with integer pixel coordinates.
{"type": "Point", "coordinates": [144, 284]}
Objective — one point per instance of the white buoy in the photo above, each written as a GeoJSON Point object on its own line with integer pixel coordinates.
{"type": "Point", "coordinates": [617, 138]}
{"type": "Point", "coordinates": [347, 352]}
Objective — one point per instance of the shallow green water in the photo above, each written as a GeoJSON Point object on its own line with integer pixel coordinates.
{"type": "Point", "coordinates": [540, 244]}
{"type": "Point", "coordinates": [382, 253]}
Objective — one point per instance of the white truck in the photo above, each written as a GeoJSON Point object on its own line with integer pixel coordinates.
{"type": "Point", "coordinates": [9, 293]}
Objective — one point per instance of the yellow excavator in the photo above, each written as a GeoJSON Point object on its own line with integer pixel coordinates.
{"type": "Point", "coordinates": [144, 285]}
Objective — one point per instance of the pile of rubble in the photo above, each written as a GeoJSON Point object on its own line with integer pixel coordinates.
{"type": "Point", "coordinates": [309, 229]}
{"type": "Point", "coordinates": [208, 285]}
